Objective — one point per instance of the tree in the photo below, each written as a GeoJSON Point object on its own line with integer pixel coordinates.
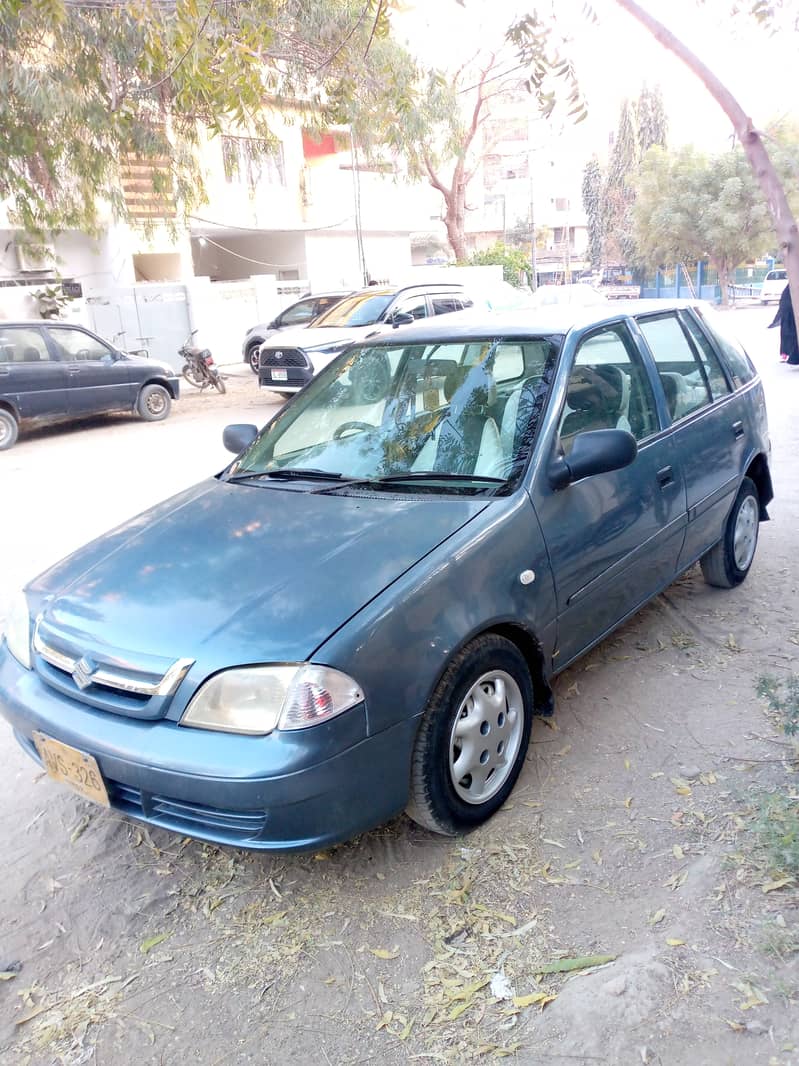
{"type": "Point", "coordinates": [530, 35]}
{"type": "Point", "coordinates": [514, 262]}
{"type": "Point", "coordinates": [691, 206]}
{"type": "Point", "coordinates": [88, 86]}
{"type": "Point", "coordinates": [592, 205]}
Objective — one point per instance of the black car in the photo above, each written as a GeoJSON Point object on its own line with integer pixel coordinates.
{"type": "Point", "coordinates": [296, 315]}
{"type": "Point", "coordinates": [57, 371]}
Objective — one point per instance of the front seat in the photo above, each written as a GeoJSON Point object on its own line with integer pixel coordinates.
{"type": "Point", "coordinates": [31, 355]}
{"type": "Point", "coordinates": [466, 440]}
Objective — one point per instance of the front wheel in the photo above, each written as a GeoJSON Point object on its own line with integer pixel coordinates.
{"type": "Point", "coordinates": [727, 563]}
{"type": "Point", "coordinates": [218, 383]}
{"type": "Point", "coordinates": [154, 403]}
{"type": "Point", "coordinates": [194, 377]}
{"type": "Point", "coordinates": [471, 744]}
{"type": "Point", "coordinates": [253, 355]}
{"type": "Point", "coordinates": [9, 430]}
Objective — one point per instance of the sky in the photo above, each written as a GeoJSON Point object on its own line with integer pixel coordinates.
{"type": "Point", "coordinates": [615, 57]}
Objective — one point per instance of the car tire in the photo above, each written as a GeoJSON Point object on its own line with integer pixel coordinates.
{"type": "Point", "coordinates": [9, 430]}
{"type": "Point", "coordinates": [727, 563]}
{"type": "Point", "coordinates": [154, 403]}
{"type": "Point", "coordinates": [479, 716]}
{"type": "Point", "coordinates": [252, 355]}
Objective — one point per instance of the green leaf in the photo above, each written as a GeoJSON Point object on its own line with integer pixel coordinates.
{"type": "Point", "coordinates": [147, 945]}
{"type": "Point", "coordinates": [582, 962]}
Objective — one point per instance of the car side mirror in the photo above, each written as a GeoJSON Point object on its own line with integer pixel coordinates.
{"type": "Point", "coordinates": [401, 318]}
{"type": "Point", "coordinates": [238, 437]}
{"type": "Point", "coordinates": [596, 451]}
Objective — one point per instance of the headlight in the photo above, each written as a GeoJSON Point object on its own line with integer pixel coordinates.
{"type": "Point", "coordinates": [329, 349]}
{"type": "Point", "coordinates": [259, 699]}
{"type": "Point", "coordinates": [18, 630]}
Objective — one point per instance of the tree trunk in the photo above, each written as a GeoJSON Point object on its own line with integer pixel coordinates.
{"type": "Point", "coordinates": [751, 141]}
{"type": "Point", "coordinates": [724, 280]}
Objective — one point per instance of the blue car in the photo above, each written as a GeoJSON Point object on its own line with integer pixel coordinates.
{"type": "Point", "coordinates": [364, 611]}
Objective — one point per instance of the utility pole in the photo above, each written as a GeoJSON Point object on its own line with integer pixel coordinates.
{"type": "Point", "coordinates": [356, 183]}
{"type": "Point", "coordinates": [533, 264]}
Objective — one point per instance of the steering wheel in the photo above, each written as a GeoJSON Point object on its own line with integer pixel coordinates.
{"type": "Point", "coordinates": [347, 426]}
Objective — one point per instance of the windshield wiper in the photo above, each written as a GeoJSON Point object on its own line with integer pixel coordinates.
{"type": "Point", "coordinates": [425, 476]}
{"type": "Point", "coordinates": [288, 473]}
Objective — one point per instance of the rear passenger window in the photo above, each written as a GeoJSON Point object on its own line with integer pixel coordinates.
{"type": "Point", "coordinates": [715, 375]}
{"type": "Point", "coordinates": [22, 346]}
{"type": "Point", "coordinates": [681, 373]}
{"type": "Point", "coordinates": [442, 305]}
{"type": "Point", "coordinates": [735, 357]}
{"type": "Point", "coordinates": [608, 389]}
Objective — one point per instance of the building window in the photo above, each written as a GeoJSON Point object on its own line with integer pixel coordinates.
{"type": "Point", "coordinates": [249, 160]}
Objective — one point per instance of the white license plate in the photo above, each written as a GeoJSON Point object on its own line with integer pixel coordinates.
{"type": "Point", "coordinates": [280, 375]}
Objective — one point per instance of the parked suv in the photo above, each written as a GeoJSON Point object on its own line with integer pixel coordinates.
{"type": "Point", "coordinates": [289, 361]}
{"type": "Point", "coordinates": [298, 314]}
{"type": "Point", "coordinates": [52, 371]}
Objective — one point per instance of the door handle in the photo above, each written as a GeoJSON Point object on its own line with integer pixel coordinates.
{"type": "Point", "coordinates": [72, 370]}
{"type": "Point", "coordinates": [665, 477]}
{"type": "Point", "coordinates": [738, 430]}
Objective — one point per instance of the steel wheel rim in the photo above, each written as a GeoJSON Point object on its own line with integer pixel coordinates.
{"type": "Point", "coordinates": [744, 538]}
{"type": "Point", "coordinates": [156, 403]}
{"type": "Point", "coordinates": [486, 737]}
{"type": "Point", "coordinates": [5, 431]}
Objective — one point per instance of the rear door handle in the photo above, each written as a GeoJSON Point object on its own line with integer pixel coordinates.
{"type": "Point", "coordinates": [72, 370]}
{"type": "Point", "coordinates": [738, 430]}
{"type": "Point", "coordinates": [665, 477]}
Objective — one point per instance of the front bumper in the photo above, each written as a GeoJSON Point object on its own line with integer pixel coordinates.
{"type": "Point", "coordinates": [296, 378]}
{"type": "Point", "coordinates": [210, 785]}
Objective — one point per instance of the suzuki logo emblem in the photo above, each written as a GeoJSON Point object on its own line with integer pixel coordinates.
{"type": "Point", "coordinates": [82, 674]}
{"type": "Point", "coordinates": [278, 355]}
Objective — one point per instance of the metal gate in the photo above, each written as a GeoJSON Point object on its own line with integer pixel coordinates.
{"type": "Point", "coordinates": [155, 317]}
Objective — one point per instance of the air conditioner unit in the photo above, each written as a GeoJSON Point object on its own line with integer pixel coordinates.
{"type": "Point", "coordinates": [35, 258]}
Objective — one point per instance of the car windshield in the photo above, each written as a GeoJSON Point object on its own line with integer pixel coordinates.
{"type": "Point", "coordinates": [455, 416]}
{"type": "Point", "coordinates": [363, 309]}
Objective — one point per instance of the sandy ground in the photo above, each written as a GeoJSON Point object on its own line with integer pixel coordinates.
{"type": "Point", "coordinates": [628, 835]}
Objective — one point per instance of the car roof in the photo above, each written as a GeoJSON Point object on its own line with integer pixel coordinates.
{"type": "Point", "coordinates": [392, 290]}
{"type": "Point", "coordinates": [4, 323]}
{"type": "Point", "coordinates": [529, 321]}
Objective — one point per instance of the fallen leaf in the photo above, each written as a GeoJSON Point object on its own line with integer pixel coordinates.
{"type": "Point", "coordinates": [779, 882]}
{"type": "Point", "coordinates": [675, 881]}
{"type": "Point", "coordinates": [681, 786]}
{"type": "Point", "coordinates": [540, 998]}
{"type": "Point", "coordinates": [657, 917]}
{"type": "Point", "coordinates": [153, 941]}
{"type": "Point", "coordinates": [581, 962]}
{"type": "Point", "coordinates": [627, 764]}
{"type": "Point", "coordinates": [7, 975]}
{"type": "Point", "coordinates": [677, 852]}
{"type": "Point", "coordinates": [628, 802]}
{"type": "Point", "coordinates": [384, 953]}
{"type": "Point", "coordinates": [673, 942]}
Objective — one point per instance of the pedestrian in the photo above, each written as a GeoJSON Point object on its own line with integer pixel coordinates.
{"type": "Point", "coordinates": [784, 318]}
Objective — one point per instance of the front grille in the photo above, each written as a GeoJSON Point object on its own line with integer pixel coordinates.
{"type": "Point", "coordinates": [283, 357]}
{"type": "Point", "coordinates": [106, 679]}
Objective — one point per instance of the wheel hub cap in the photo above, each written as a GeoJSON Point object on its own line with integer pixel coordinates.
{"type": "Point", "coordinates": [745, 535]}
{"type": "Point", "coordinates": [486, 737]}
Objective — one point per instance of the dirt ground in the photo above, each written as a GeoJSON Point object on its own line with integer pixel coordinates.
{"type": "Point", "coordinates": [629, 838]}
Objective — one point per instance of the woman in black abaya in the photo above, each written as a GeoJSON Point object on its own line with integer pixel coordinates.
{"type": "Point", "coordinates": [784, 318]}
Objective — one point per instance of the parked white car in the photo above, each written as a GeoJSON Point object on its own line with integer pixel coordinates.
{"type": "Point", "coordinates": [773, 284]}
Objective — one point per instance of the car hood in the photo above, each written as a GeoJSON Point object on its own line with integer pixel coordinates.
{"type": "Point", "coordinates": [231, 574]}
{"type": "Point", "coordinates": [155, 364]}
{"type": "Point", "coordinates": [316, 336]}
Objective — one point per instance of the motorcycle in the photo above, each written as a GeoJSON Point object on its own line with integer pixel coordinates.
{"type": "Point", "coordinates": [199, 368]}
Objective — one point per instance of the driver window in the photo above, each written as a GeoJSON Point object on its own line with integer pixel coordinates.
{"type": "Point", "coordinates": [608, 389]}
{"type": "Point", "coordinates": [414, 305]}
{"type": "Point", "coordinates": [74, 344]}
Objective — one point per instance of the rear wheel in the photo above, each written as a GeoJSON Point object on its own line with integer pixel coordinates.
{"type": "Point", "coordinates": [154, 403]}
{"type": "Point", "coordinates": [471, 744]}
{"type": "Point", "coordinates": [9, 430]}
{"type": "Point", "coordinates": [194, 377]}
{"type": "Point", "coordinates": [728, 562]}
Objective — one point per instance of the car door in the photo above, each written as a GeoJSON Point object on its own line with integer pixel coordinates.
{"type": "Point", "coordinates": [709, 423]}
{"type": "Point", "coordinates": [614, 538]}
{"type": "Point", "coordinates": [29, 374]}
{"type": "Point", "coordinates": [98, 379]}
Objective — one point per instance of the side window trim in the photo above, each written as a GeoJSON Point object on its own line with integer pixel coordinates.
{"type": "Point", "coordinates": [659, 316]}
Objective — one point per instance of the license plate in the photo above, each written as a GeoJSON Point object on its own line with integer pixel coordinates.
{"type": "Point", "coordinates": [280, 375]}
{"type": "Point", "coordinates": [74, 768]}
